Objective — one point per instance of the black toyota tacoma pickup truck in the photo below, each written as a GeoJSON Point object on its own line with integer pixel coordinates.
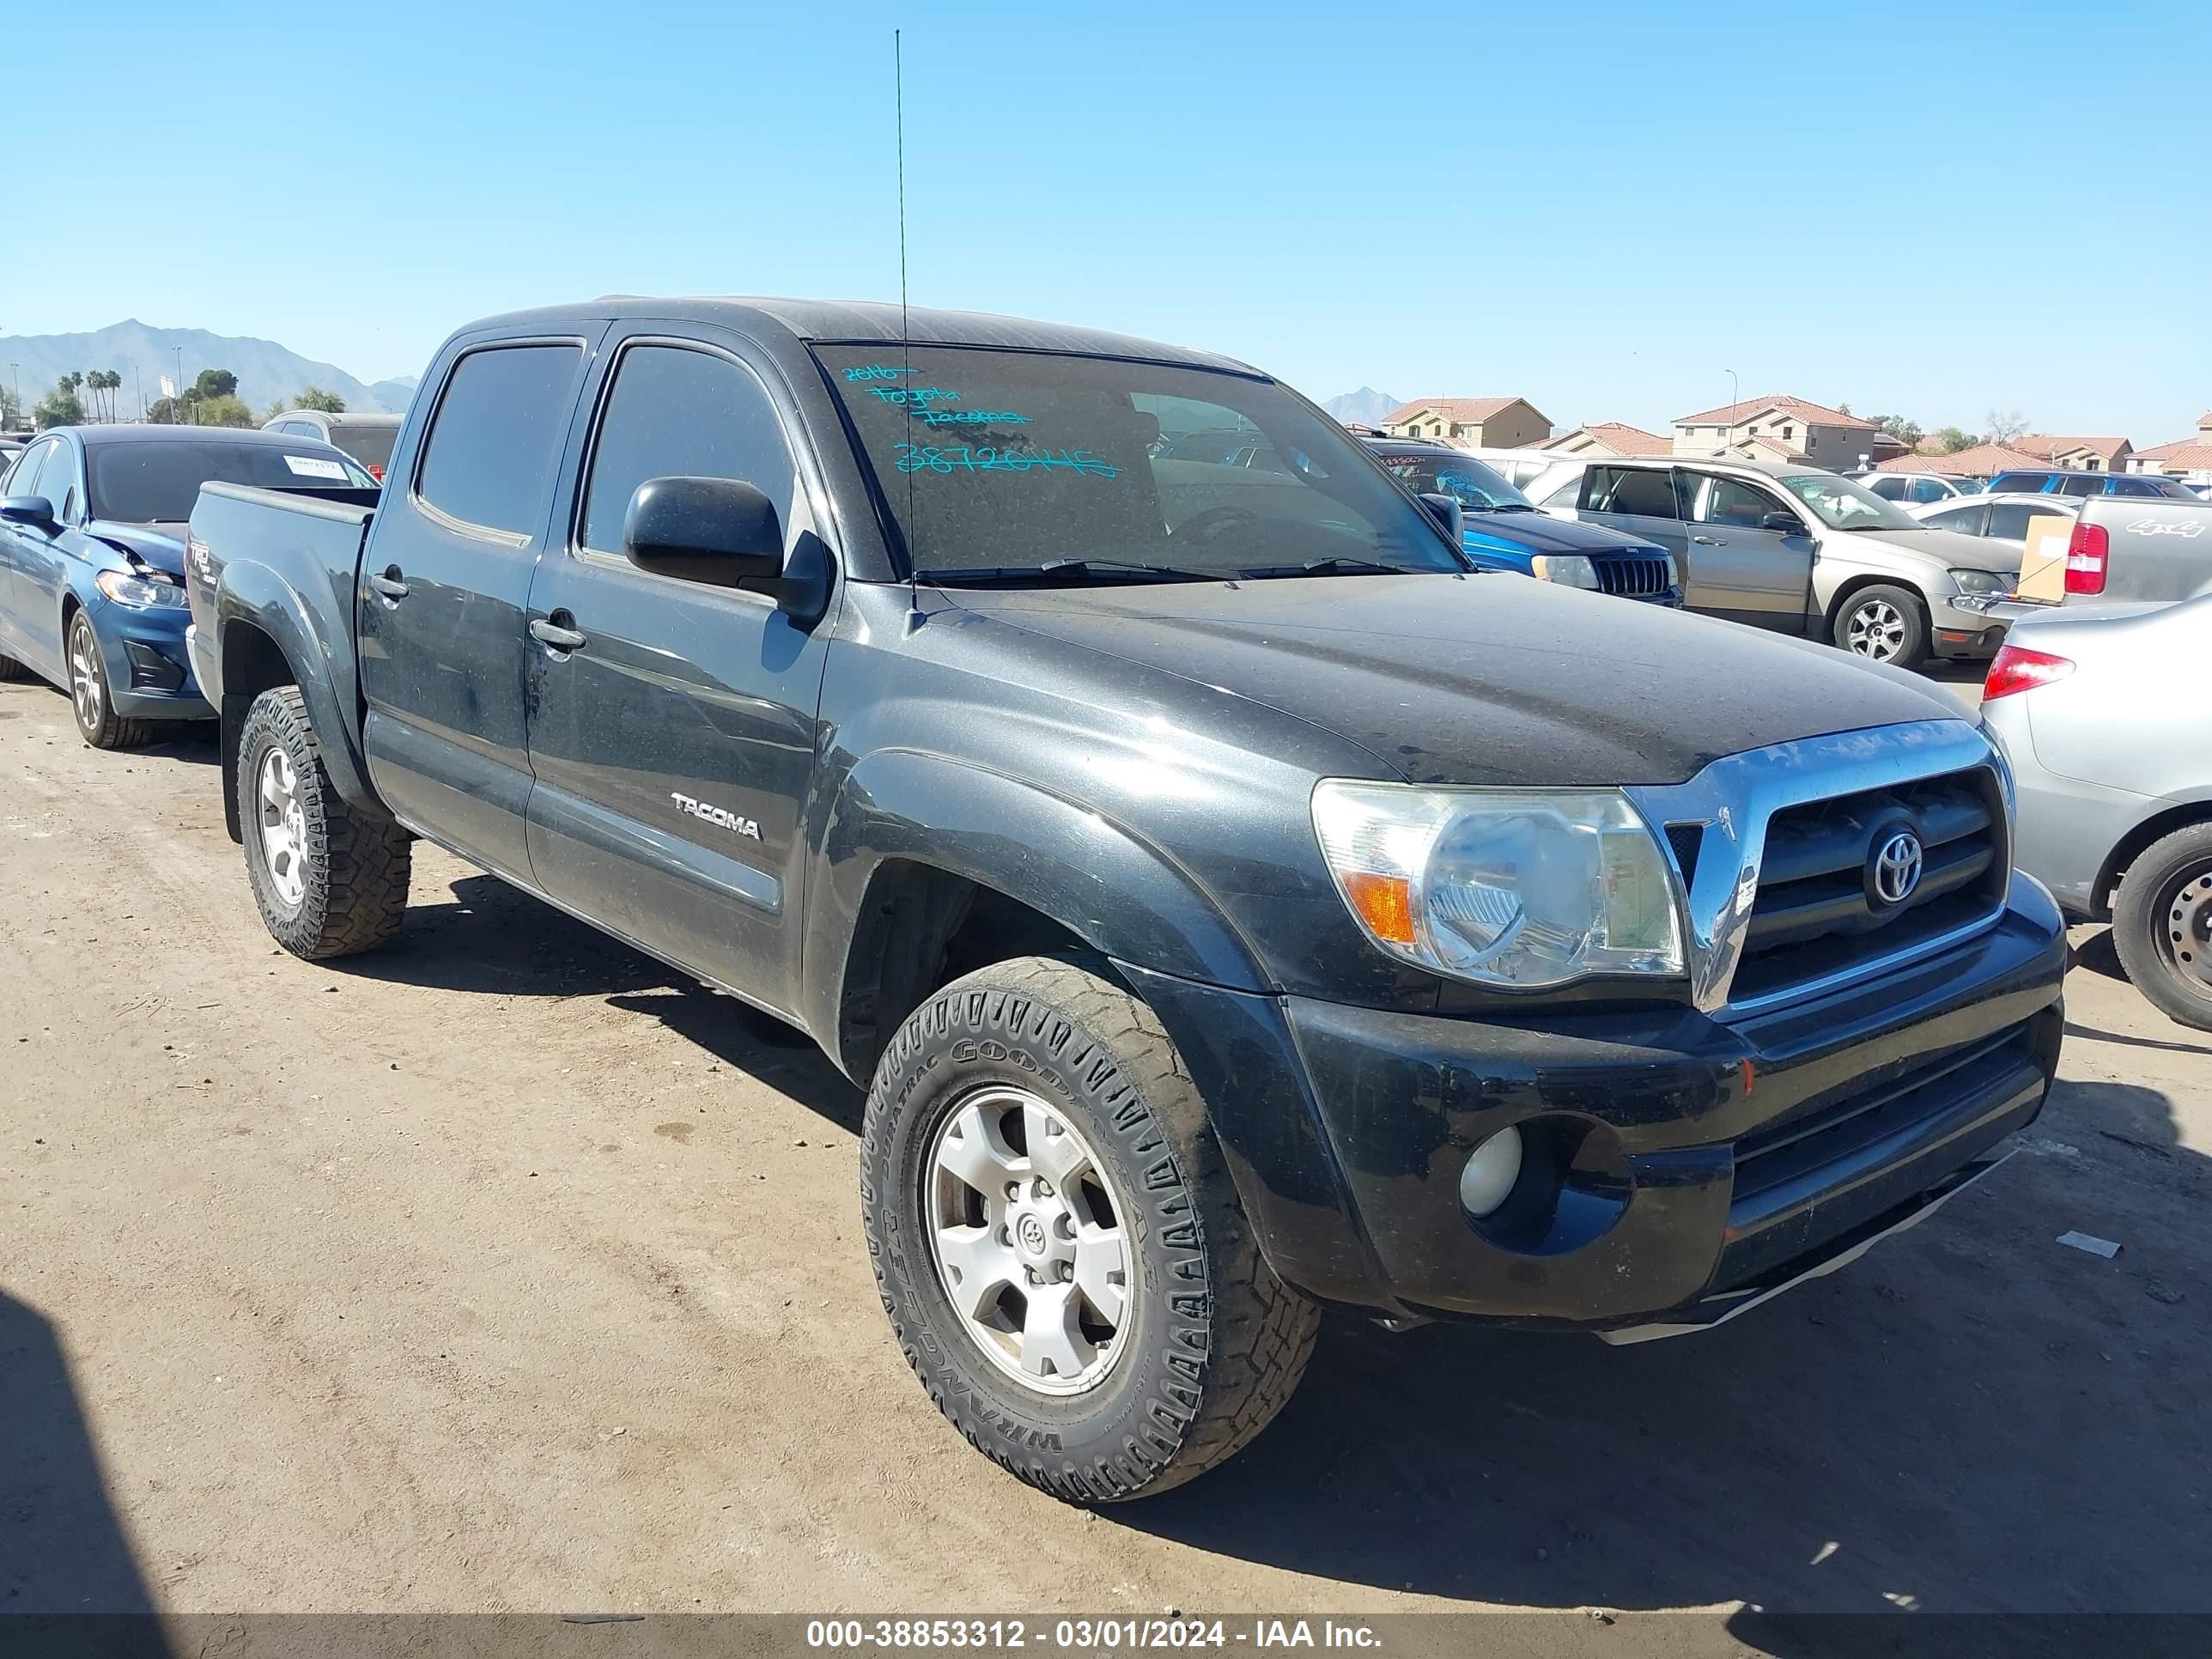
{"type": "Point", "coordinates": [1232, 903]}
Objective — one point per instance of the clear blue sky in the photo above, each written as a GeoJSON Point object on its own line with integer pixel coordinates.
{"type": "Point", "coordinates": [1600, 207]}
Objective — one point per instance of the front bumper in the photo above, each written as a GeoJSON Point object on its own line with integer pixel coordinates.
{"type": "Point", "coordinates": [1688, 1157]}
{"type": "Point", "coordinates": [150, 671]}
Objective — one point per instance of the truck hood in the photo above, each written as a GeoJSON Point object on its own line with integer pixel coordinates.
{"type": "Point", "coordinates": [1484, 678]}
{"type": "Point", "coordinates": [161, 545]}
{"type": "Point", "coordinates": [1539, 533]}
{"type": "Point", "coordinates": [1954, 551]}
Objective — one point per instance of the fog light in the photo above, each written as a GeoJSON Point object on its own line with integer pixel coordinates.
{"type": "Point", "coordinates": [1492, 1170]}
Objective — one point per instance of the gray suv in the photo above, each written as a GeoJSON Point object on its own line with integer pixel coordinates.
{"type": "Point", "coordinates": [1801, 551]}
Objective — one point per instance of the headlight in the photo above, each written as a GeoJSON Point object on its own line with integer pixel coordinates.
{"type": "Point", "coordinates": [1983, 581]}
{"type": "Point", "coordinates": [1568, 569]}
{"type": "Point", "coordinates": [1521, 888]}
{"type": "Point", "coordinates": [139, 593]}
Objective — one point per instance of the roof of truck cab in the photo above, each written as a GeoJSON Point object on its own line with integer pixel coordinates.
{"type": "Point", "coordinates": [871, 322]}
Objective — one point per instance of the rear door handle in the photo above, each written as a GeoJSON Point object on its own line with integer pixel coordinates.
{"type": "Point", "coordinates": [548, 632]}
{"type": "Point", "coordinates": [389, 585]}
{"type": "Point", "coordinates": [1708, 541]}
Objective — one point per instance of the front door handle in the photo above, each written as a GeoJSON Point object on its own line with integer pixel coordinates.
{"type": "Point", "coordinates": [1708, 541]}
{"type": "Point", "coordinates": [547, 632]}
{"type": "Point", "coordinates": [389, 584]}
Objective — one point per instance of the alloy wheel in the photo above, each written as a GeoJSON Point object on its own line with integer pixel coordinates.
{"type": "Point", "coordinates": [1877, 630]}
{"type": "Point", "coordinates": [284, 828]}
{"type": "Point", "coordinates": [1025, 1231]}
{"type": "Point", "coordinates": [88, 686]}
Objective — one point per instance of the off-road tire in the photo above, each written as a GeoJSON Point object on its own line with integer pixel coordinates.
{"type": "Point", "coordinates": [110, 729]}
{"type": "Point", "coordinates": [1218, 1343]}
{"type": "Point", "coordinates": [2143, 923]}
{"type": "Point", "coordinates": [1912, 650]}
{"type": "Point", "coordinates": [355, 864]}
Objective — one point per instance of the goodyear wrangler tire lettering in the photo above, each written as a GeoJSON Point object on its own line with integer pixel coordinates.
{"type": "Point", "coordinates": [1211, 1343]}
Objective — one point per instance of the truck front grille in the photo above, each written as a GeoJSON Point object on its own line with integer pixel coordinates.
{"type": "Point", "coordinates": [1819, 914]}
{"type": "Point", "coordinates": [1635, 578]}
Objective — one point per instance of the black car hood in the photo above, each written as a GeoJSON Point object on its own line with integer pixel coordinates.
{"type": "Point", "coordinates": [1484, 678]}
{"type": "Point", "coordinates": [1540, 532]}
{"type": "Point", "coordinates": [161, 545]}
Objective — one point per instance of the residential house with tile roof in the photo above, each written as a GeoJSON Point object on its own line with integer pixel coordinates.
{"type": "Point", "coordinates": [2185, 458]}
{"type": "Point", "coordinates": [1982, 461]}
{"type": "Point", "coordinates": [1603, 439]}
{"type": "Point", "coordinates": [1778, 428]}
{"type": "Point", "coordinates": [1472, 423]}
{"type": "Point", "coordinates": [2075, 454]}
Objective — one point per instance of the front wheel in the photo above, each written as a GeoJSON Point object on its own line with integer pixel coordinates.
{"type": "Point", "coordinates": [1884, 624]}
{"type": "Point", "coordinates": [90, 695]}
{"type": "Point", "coordinates": [330, 878]}
{"type": "Point", "coordinates": [2162, 924]}
{"type": "Point", "coordinates": [1057, 1241]}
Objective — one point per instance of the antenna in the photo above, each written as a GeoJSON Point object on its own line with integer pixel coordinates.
{"type": "Point", "coordinates": [905, 333]}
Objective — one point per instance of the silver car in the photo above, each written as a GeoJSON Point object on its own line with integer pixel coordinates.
{"type": "Point", "coordinates": [2001, 518]}
{"type": "Point", "coordinates": [1801, 551]}
{"type": "Point", "coordinates": [2101, 710]}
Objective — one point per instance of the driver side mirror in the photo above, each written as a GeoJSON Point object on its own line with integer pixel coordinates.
{"type": "Point", "coordinates": [1787, 523]}
{"type": "Point", "coordinates": [717, 531]}
{"type": "Point", "coordinates": [34, 510]}
{"type": "Point", "coordinates": [1450, 516]}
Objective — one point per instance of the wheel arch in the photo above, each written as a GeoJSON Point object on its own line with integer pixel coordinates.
{"type": "Point", "coordinates": [1852, 586]}
{"type": "Point", "coordinates": [934, 867]}
{"type": "Point", "coordinates": [2129, 847]}
{"type": "Point", "coordinates": [264, 638]}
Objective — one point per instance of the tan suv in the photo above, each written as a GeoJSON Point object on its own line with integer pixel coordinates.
{"type": "Point", "coordinates": [1799, 551]}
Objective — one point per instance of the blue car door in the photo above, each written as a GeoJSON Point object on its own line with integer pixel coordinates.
{"type": "Point", "coordinates": [17, 545]}
{"type": "Point", "coordinates": [43, 575]}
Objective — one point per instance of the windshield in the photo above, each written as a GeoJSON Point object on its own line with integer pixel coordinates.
{"type": "Point", "coordinates": [157, 482]}
{"type": "Point", "coordinates": [1842, 505]}
{"type": "Point", "coordinates": [1475, 486]}
{"type": "Point", "coordinates": [1000, 462]}
{"type": "Point", "coordinates": [369, 444]}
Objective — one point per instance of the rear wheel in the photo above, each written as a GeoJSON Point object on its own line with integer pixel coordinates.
{"type": "Point", "coordinates": [2162, 924]}
{"type": "Point", "coordinates": [329, 879]}
{"type": "Point", "coordinates": [1058, 1244]}
{"type": "Point", "coordinates": [91, 697]}
{"type": "Point", "coordinates": [1884, 624]}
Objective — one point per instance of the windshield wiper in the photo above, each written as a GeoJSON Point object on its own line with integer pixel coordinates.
{"type": "Point", "coordinates": [1076, 569]}
{"type": "Point", "coordinates": [1510, 507]}
{"type": "Point", "coordinates": [1336, 566]}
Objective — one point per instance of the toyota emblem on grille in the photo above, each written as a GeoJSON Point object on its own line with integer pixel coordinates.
{"type": "Point", "coordinates": [1897, 867]}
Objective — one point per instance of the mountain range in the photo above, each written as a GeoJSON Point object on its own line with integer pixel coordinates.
{"type": "Point", "coordinates": [1367, 406]}
{"type": "Point", "coordinates": [143, 354]}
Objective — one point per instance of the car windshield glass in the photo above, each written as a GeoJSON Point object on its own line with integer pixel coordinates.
{"type": "Point", "coordinates": [369, 444]}
{"type": "Point", "coordinates": [1000, 462]}
{"type": "Point", "coordinates": [1842, 505]}
{"type": "Point", "coordinates": [1475, 485]}
{"type": "Point", "coordinates": [157, 483]}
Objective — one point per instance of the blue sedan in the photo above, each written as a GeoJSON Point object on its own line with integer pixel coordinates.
{"type": "Point", "coordinates": [92, 523]}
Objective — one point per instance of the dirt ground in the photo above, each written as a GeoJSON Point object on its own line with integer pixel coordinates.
{"type": "Point", "coordinates": [501, 1271]}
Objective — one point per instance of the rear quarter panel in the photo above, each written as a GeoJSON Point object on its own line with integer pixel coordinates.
{"type": "Point", "coordinates": [2161, 550]}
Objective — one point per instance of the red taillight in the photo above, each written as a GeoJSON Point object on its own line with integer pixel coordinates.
{"type": "Point", "coordinates": [377, 473]}
{"type": "Point", "coordinates": [2016, 668]}
{"type": "Point", "coordinates": [2086, 550]}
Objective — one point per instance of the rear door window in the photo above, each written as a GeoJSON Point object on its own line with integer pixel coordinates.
{"type": "Point", "coordinates": [2010, 519]}
{"type": "Point", "coordinates": [2082, 484]}
{"type": "Point", "coordinates": [494, 442]}
{"type": "Point", "coordinates": [1645, 492]}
